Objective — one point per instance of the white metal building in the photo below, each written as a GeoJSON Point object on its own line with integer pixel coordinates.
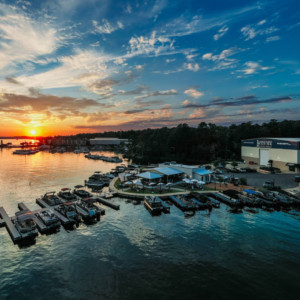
{"type": "Point", "coordinates": [283, 152]}
{"type": "Point", "coordinates": [107, 141]}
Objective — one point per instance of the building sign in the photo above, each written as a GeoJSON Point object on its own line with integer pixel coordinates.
{"type": "Point", "coordinates": [264, 144]}
{"type": "Point", "coordinates": [275, 144]}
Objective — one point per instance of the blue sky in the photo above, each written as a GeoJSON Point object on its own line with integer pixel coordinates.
{"type": "Point", "coordinates": [76, 66]}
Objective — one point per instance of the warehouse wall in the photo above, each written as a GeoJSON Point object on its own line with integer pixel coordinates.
{"type": "Point", "coordinates": [252, 152]}
{"type": "Point", "coordinates": [283, 155]}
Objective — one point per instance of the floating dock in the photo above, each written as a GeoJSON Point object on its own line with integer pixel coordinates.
{"type": "Point", "coordinates": [225, 199]}
{"type": "Point", "coordinates": [164, 204]}
{"type": "Point", "coordinates": [107, 203]}
{"type": "Point", "coordinates": [200, 205]}
{"type": "Point", "coordinates": [179, 203]}
{"type": "Point", "coordinates": [62, 218]}
{"type": "Point", "coordinates": [12, 230]}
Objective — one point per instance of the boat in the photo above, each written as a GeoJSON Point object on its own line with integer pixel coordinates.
{"type": "Point", "coordinates": [82, 193]}
{"type": "Point", "coordinates": [25, 224]}
{"type": "Point", "coordinates": [49, 219]}
{"type": "Point", "coordinates": [68, 209]}
{"type": "Point", "coordinates": [25, 152]}
{"type": "Point", "coordinates": [88, 205]}
{"type": "Point", "coordinates": [155, 207]}
{"type": "Point", "coordinates": [66, 194]}
{"type": "Point", "coordinates": [97, 180]}
{"type": "Point", "coordinates": [51, 199]}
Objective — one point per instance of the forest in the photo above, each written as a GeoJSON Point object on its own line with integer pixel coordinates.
{"type": "Point", "coordinates": [196, 145]}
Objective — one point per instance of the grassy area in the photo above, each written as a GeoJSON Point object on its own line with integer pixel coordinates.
{"type": "Point", "coordinates": [117, 183]}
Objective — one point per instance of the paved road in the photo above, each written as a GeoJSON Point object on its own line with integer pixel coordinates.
{"type": "Point", "coordinates": [257, 179]}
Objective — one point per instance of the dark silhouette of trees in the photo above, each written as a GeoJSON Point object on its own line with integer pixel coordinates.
{"type": "Point", "coordinates": [205, 143]}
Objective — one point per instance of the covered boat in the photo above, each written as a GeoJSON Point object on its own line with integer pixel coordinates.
{"type": "Point", "coordinates": [66, 194]}
{"type": "Point", "coordinates": [49, 219]}
{"type": "Point", "coordinates": [68, 209]}
{"type": "Point", "coordinates": [51, 199]}
{"type": "Point", "coordinates": [154, 206]}
{"type": "Point", "coordinates": [25, 224]}
{"type": "Point", "coordinates": [93, 211]}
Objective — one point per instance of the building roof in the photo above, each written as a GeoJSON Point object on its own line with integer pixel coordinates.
{"type": "Point", "coordinates": [167, 171]}
{"type": "Point", "coordinates": [279, 139]}
{"type": "Point", "coordinates": [149, 175]}
{"type": "Point", "coordinates": [202, 171]}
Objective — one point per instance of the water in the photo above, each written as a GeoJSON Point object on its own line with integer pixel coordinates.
{"type": "Point", "coordinates": [131, 255]}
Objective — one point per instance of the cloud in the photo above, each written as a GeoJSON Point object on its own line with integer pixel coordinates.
{"type": "Point", "coordinates": [253, 67]}
{"type": "Point", "coordinates": [221, 32]}
{"type": "Point", "coordinates": [12, 80]}
{"type": "Point", "coordinates": [251, 31]}
{"type": "Point", "coordinates": [193, 93]}
{"type": "Point", "coordinates": [272, 38]}
{"type": "Point", "coordinates": [187, 25]}
{"type": "Point", "coordinates": [106, 27]}
{"type": "Point", "coordinates": [191, 67]}
{"type": "Point", "coordinates": [23, 39]}
{"type": "Point", "coordinates": [222, 60]}
{"type": "Point", "coordinates": [21, 107]}
{"type": "Point", "coordinates": [154, 45]}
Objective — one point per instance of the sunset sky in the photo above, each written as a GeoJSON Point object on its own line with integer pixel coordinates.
{"type": "Point", "coordinates": [71, 66]}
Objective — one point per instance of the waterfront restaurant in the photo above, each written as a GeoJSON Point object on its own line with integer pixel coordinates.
{"type": "Point", "coordinates": [192, 172]}
{"type": "Point", "coordinates": [169, 174]}
{"type": "Point", "coordinates": [149, 177]}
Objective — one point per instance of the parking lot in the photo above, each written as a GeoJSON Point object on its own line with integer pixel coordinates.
{"type": "Point", "coordinates": [257, 179]}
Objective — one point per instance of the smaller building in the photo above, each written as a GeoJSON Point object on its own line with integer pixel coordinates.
{"type": "Point", "coordinates": [107, 141]}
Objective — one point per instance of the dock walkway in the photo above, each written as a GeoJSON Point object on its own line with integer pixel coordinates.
{"type": "Point", "coordinates": [13, 232]}
{"type": "Point", "coordinates": [107, 203]}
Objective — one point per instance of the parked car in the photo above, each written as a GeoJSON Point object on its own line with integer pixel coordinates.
{"type": "Point", "coordinates": [297, 178]}
{"type": "Point", "coordinates": [268, 184]}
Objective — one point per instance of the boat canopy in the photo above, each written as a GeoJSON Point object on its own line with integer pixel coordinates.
{"type": "Point", "coordinates": [65, 189]}
{"type": "Point", "coordinates": [78, 186]}
{"type": "Point", "coordinates": [25, 216]}
{"type": "Point", "coordinates": [250, 192]}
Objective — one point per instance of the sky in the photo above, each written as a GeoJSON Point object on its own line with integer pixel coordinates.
{"type": "Point", "coordinates": [73, 66]}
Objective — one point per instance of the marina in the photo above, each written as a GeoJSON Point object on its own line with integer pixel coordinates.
{"type": "Point", "coordinates": [131, 226]}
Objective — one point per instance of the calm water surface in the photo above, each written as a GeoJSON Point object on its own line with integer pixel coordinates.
{"type": "Point", "coordinates": [131, 255]}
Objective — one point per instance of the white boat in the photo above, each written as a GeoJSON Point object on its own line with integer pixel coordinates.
{"type": "Point", "coordinates": [25, 151]}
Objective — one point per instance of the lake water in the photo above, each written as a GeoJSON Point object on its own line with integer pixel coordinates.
{"type": "Point", "coordinates": [131, 255]}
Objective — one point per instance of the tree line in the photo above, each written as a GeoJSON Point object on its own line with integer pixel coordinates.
{"type": "Point", "coordinates": [195, 145]}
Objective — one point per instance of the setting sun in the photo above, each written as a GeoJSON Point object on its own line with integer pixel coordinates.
{"type": "Point", "coordinates": [33, 132]}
